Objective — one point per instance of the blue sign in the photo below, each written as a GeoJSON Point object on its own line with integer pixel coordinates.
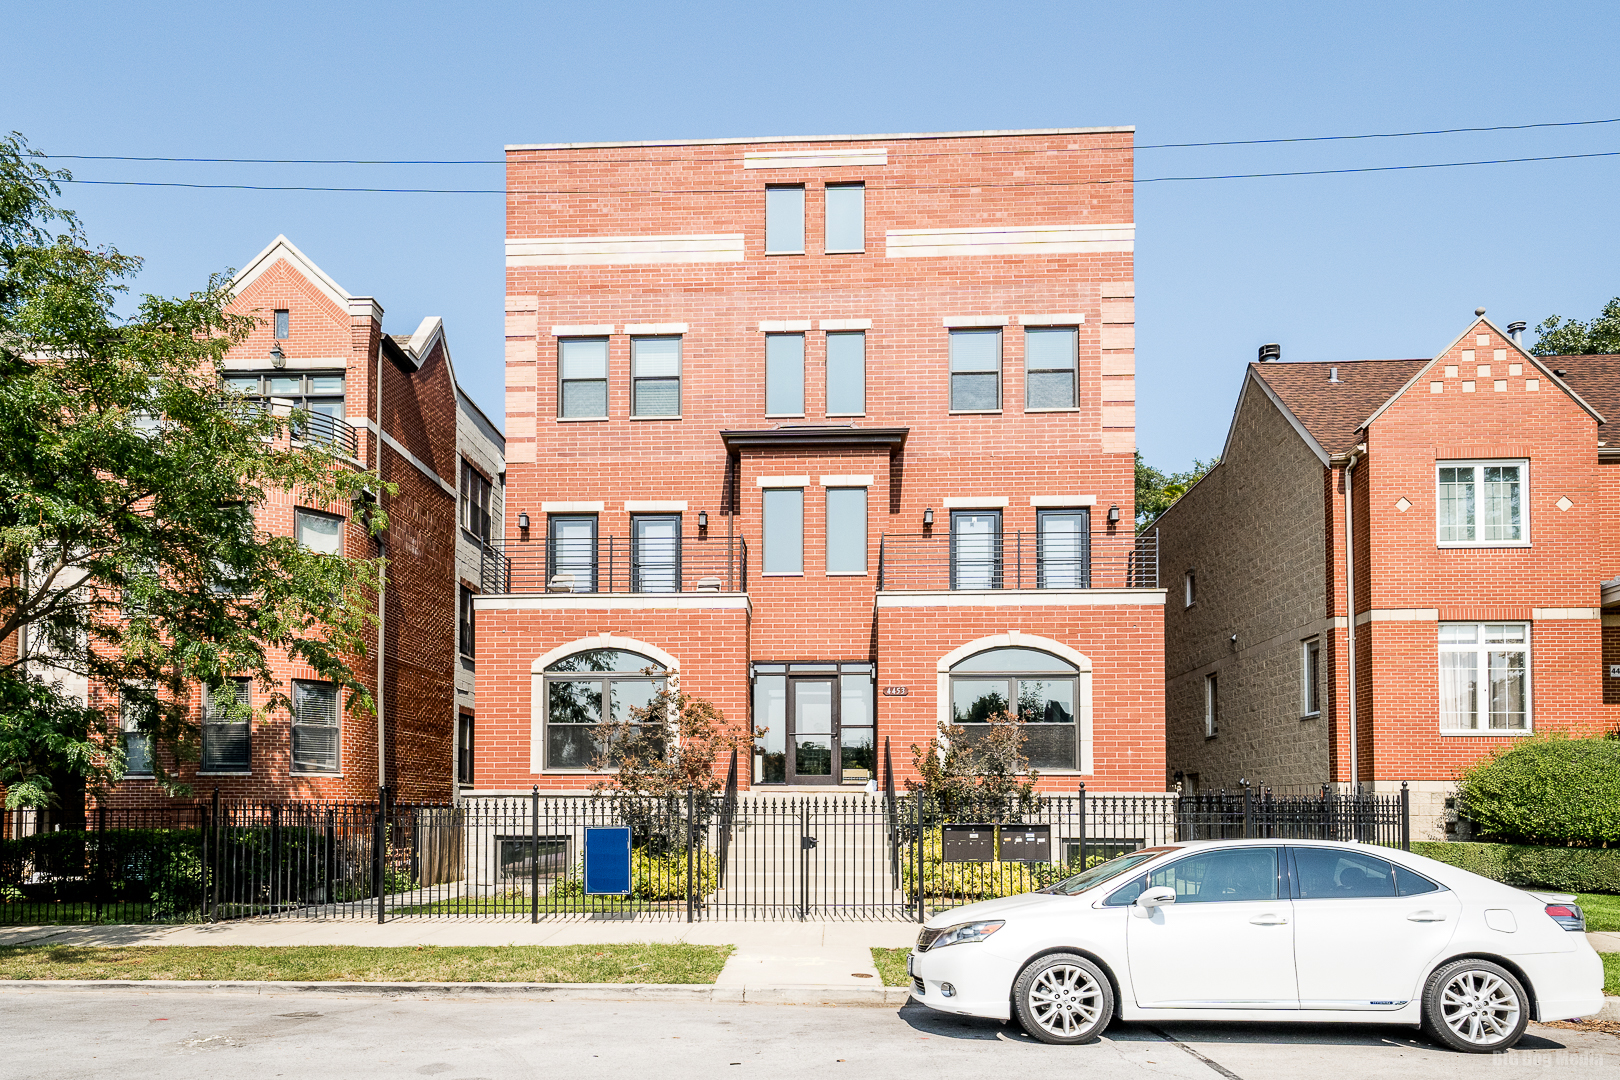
{"type": "Point", "coordinates": [607, 862]}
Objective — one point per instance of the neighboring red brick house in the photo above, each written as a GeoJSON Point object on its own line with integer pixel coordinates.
{"type": "Point", "coordinates": [1468, 499]}
{"type": "Point", "coordinates": [841, 430]}
{"type": "Point", "coordinates": [322, 349]}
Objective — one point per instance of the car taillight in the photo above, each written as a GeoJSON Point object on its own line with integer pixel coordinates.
{"type": "Point", "coordinates": [1569, 916]}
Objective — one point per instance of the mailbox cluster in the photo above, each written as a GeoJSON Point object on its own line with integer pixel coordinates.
{"type": "Point", "coordinates": [979, 843]}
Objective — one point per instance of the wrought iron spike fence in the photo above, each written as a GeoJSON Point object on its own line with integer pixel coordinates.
{"type": "Point", "coordinates": [720, 855]}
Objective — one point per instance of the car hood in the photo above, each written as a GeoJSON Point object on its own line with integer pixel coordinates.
{"type": "Point", "coordinates": [993, 909]}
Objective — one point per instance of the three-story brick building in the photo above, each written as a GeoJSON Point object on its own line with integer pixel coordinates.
{"type": "Point", "coordinates": [840, 431]}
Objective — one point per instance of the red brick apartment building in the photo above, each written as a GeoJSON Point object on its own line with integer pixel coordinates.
{"type": "Point", "coordinates": [839, 430]}
{"type": "Point", "coordinates": [1460, 508]}
{"type": "Point", "coordinates": [380, 398]}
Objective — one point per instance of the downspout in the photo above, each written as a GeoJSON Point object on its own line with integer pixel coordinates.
{"type": "Point", "coordinates": [1350, 603]}
{"type": "Point", "coordinates": [382, 594]}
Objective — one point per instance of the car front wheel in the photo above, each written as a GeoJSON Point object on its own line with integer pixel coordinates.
{"type": "Point", "coordinates": [1475, 1006]}
{"type": "Point", "coordinates": [1063, 998]}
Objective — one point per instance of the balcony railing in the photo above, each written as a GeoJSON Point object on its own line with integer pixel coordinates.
{"type": "Point", "coordinates": [1017, 560]}
{"type": "Point", "coordinates": [313, 427]}
{"type": "Point", "coordinates": [616, 564]}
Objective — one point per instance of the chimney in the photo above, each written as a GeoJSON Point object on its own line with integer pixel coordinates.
{"type": "Point", "coordinates": [1516, 332]}
{"type": "Point", "coordinates": [1333, 375]}
{"type": "Point", "coordinates": [1270, 352]}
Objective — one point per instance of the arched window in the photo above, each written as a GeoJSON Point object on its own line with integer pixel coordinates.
{"type": "Point", "coordinates": [1042, 690]}
{"type": "Point", "coordinates": [578, 685]}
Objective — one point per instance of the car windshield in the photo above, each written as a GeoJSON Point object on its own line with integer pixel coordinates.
{"type": "Point", "coordinates": [1102, 872]}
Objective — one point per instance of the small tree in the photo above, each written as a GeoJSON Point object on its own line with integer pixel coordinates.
{"type": "Point", "coordinates": [982, 779]}
{"type": "Point", "coordinates": [657, 754]}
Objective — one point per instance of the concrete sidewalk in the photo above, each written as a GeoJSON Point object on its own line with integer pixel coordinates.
{"type": "Point", "coordinates": [826, 954]}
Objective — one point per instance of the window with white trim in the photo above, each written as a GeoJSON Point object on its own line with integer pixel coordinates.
{"type": "Point", "coordinates": [1310, 677]}
{"type": "Point", "coordinates": [585, 689]}
{"type": "Point", "coordinates": [227, 727]}
{"type": "Point", "coordinates": [655, 376]}
{"type": "Point", "coordinates": [316, 733]}
{"type": "Point", "coordinates": [1041, 690]}
{"type": "Point", "coordinates": [1212, 705]}
{"type": "Point", "coordinates": [1189, 589]}
{"type": "Point", "coordinates": [1481, 502]}
{"type": "Point", "coordinates": [1484, 677]}
{"type": "Point", "coordinates": [137, 746]}
{"type": "Point", "coordinates": [1049, 367]}
{"type": "Point", "coordinates": [582, 378]}
{"type": "Point", "coordinates": [846, 218]}
{"type": "Point", "coordinates": [976, 370]}
{"type": "Point", "coordinates": [318, 532]}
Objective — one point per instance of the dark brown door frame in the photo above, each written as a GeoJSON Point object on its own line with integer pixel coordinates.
{"type": "Point", "coordinates": [833, 776]}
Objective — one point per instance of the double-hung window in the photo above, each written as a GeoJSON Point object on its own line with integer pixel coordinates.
{"type": "Point", "coordinates": [976, 370]}
{"type": "Point", "coordinates": [582, 378]}
{"type": "Point", "coordinates": [1481, 503]}
{"type": "Point", "coordinates": [784, 374]}
{"type": "Point", "coordinates": [784, 219]}
{"type": "Point", "coordinates": [315, 727]}
{"type": "Point", "coordinates": [784, 530]}
{"type": "Point", "coordinates": [1049, 367]}
{"type": "Point", "coordinates": [655, 376]}
{"type": "Point", "coordinates": [846, 373]}
{"type": "Point", "coordinates": [227, 722]}
{"type": "Point", "coordinates": [846, 218]}
{"type": "Point", "coordinates": [1484, 677]}
{"type": "Point", "coordinates": [137, 746]}
{"type": "Point", "coordinates": [846, 530]}
{"type": "Point", "coordinates": [476, 492]}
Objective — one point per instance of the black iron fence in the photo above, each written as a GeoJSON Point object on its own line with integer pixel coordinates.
{"type": "Point", "coordinates": [616, 564]}
{"type": "Point", "coordinates": [725, 855]}
{"type": "Point", "coordinates": [1019, 560]}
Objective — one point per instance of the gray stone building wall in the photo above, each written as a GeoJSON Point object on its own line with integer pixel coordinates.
{"type": "Point", "coordinates": [1252, 533]}
{"type": "Point", "coordinates": [478, 441]}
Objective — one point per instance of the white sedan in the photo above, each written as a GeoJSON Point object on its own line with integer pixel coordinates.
{"type": "Point", "coordinates": [1271, 930]}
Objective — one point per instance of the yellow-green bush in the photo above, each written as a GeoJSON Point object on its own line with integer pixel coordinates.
{"type": "Point", "coordinates": [969, 881]}
{"type": "Point", "coordinates": [656, 877]}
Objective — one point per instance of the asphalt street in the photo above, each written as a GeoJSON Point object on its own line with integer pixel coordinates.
{"type": "Point", "coordinates": [55, 1035]}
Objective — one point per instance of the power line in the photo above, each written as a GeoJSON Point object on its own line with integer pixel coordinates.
{"type": "Point", "coordinates": [935, 154]}
{"type": "Point", "coordinates": [886, 187]}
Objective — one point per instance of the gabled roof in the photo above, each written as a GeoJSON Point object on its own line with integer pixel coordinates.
{"type": "Point", "coordinates": [1332, 412]}
{"type": "Point", "coordinates": [283, 248]}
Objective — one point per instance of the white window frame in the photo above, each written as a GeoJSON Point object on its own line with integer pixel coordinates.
{"type": "Point", "coordinates": [1212, 704]}
{"type": "Point", "coordinates": [1310, 677]}
{"type": "Point", "coordinates": [1480, 648]}
{"type": "Point", "coordinates": [1477, 464]}
{"type": "Point", "coordinates": [1189, 588]}
{"type": "Point", "coordinates": [636, 377]}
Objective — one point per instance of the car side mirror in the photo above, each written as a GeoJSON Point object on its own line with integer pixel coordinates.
{"type": "Point", "coordinates": [1151, 899]}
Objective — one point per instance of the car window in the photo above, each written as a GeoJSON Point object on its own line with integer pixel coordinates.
{"type": "Point", "coordinates": [1102, 872]}
{"type": "Point", "coordinates": [1334, 872]}
{"type": "Point", "coordinates": [1412, 883]}
{"type": "Point", "coordinates": [1222, 875]}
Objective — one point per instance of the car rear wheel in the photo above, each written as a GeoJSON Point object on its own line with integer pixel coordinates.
{"type": "Point", "coordinates": [1063, 998]}
{"type": "Point", "coordinates": [1475, 1006]}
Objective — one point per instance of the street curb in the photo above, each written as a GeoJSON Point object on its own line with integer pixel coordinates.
{"type": "Point", "coordinates": [757, 995]}
{"type": "Point", "coordinates": [1611, 1010]}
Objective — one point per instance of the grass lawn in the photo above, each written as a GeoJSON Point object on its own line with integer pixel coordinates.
{"type": "Point", "coordinates": [1611, 973]}
{"type": "Point", "coordinates": [891, 964]}
{"type": "Point", "coordinates": [350, 963]}
{"type": "Point", "coordinates": [521, 905]}
{"type": "Point", "coordinates": [1602, 910]}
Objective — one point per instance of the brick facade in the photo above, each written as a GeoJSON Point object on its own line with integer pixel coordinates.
{"type": "Point", "coordinates": [1274, 509]}
{"type": "Point", "coordinates": [1002, 230]}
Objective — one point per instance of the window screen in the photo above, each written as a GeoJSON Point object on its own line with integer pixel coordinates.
{"type": "Point", "coordinates": [975, 370]}
{"type": "Point", "coordinates": [582, 367]}
{"type": "Point", "coordinates": [655, 375]}
{"type": "Point", "coordinates": [1049, 367]}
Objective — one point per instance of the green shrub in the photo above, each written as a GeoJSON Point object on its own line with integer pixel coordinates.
{"type": "Point", "coordinates": [1547, 790]}
{"type": "Point", "coordinates": [1565, 869]}
{"type": "Point", "coordinates": [655, 877]}
{"type": "Point", "coordinates": [970, 881]}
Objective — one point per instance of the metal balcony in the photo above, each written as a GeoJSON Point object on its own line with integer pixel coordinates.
{"type": "Point", "coordinates": [1017, 560]}
{"type": "Point", "coordinates": [616, 564]}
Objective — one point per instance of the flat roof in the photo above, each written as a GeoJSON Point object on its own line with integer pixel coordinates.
{"type": "Point", "coordinates": [827, 138]}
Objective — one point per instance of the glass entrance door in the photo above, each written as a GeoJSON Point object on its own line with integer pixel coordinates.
{"type": "Point", "coordinates": [812, 731]}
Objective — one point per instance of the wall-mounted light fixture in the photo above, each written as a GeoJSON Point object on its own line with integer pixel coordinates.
{"type": "Point", "coordinates": [523, 520]}
{"type": "Point", "coordinates": [1113, 515]}
{"type": "Point", "coordinates": [703, 519]}
{"type": "Point", "coordinates": [928, 518]}
{"type": "Point", "coordinates": [277, 357]}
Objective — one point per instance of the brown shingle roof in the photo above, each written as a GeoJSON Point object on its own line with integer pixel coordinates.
{"type": "Point", "coordinates": [1331, 411]}
{"type": "Point", "coordinates": [1595, 378]}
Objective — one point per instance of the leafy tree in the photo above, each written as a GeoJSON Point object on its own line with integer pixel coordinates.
{"type": "Point", "coordinates": [1557, 336]}
{"type": "Point", "coordinates": [1156, 490]}
{"type": "Point", "coordinates": [658, 753]}
{"type": "Point", "coordinates": [981, 778]}
{"type": "Point", "coordinates": [129, 552]}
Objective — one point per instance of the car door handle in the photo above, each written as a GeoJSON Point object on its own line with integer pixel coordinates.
{"type": "Point", "coordinates": [1426, 916]}
{"type": "Point", "coordinates": [1269, 920]}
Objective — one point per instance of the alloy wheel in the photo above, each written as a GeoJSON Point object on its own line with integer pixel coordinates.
{"type": "Point", "coordinates": [1479, 1007]}
{"type": "Point", "coordinates": [1065, 1000]}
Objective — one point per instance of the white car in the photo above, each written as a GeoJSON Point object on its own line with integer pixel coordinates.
{"type": "Point", "coordinates": [1270, 930]}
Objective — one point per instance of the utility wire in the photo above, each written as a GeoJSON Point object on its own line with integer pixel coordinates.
{"type": "Point", "coordinates": [961, 153]}
{"type": "Point", "coordinates": [886, 187]}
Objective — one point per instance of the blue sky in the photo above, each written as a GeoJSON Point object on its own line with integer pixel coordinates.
{"type": "Point", "coordinates": [1369, 265]}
